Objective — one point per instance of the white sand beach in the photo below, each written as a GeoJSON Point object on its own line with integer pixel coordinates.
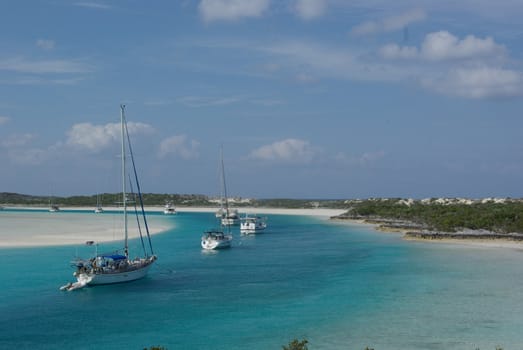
{"type": "Point", "coordinates": [319, 212]}
{"type": "Point", "coordinates": [41, 228]}
{"type": "Point", "coordinates": [26, 229]}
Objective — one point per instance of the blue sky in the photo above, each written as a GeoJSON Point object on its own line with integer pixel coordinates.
{"type": "Point", "coordinates": [310, 99]}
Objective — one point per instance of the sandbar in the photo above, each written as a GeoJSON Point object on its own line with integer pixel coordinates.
{"type": "Point", "coordinates": [42, 228]}
{"type": "Point", "coordinates": [39, 228]}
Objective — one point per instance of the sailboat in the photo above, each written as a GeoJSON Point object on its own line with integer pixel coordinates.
{"type": "Point", "coordinates": [98, 208]}
{"type": "Point", "coordinates": [53, 208]}
{"type": "Point", "coordinates": [216, 238]}
{"type": "Point", "coordinates": [116, 266]}
{"type": "Point", "coordinates": [228, 216]}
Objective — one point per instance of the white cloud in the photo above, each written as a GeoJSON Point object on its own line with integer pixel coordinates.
{"type": "Point", "coordinates": [310, 9]}
{"type": "Point", "coordinates": [17, 140]}
{"type": "Point", "coordinates": [319, 58]}
{"type": "Point", "coordinates": [4, 120]}
{"type": "Point", "coordinates": [226, 10]}
{"type": "Point", "coordinates": [199, 101]}
{"type": "Point", "coordinates": [442, 45]}
{"type": "Point", "coordinates": [97, 137]}
{"type": "Point", "coordinates": [389, 24]}
{"type": "Point", "coordinates": [92, 5]}
{"type": "Point", "coordinates": [179, 145]}
{"type": "Point", "coordinates": [470, 67]}
{"type": "Point", "coordinates": [21, 151]}
{"type": "Point", "coordinates": [479, 82]}
{"type": "Point", "coordinates": [19, 64]}
{"type": "Point", "coordinates": [362, 160]}
{"type": "Point", "coordinates": [45, 44]}
{"type": "Point", "coordinates": [290, 150]}
{"type": "Point", "coordinates": [308, 61]}
{"type": "Point", "coordinates": [368, 157]}
{"type": "Point", "coordinates": [32, 156]}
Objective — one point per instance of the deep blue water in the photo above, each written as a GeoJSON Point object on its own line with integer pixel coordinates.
{"type": "Point", "coordinates": [339, 286]}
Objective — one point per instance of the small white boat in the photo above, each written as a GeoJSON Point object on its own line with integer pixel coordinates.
{"type": "Point", "coordinates": [98, 208]}
{"type": "Point", "coordinates": [230, 217]}
{"type": "Point", "coordinates": [169, 209]}
{"type": "Point", "coordinates": [216, 239]}
{"type": "Point", "coordinates": [253, 224]}
{"type": "Point", "coordinates": [54, 208]}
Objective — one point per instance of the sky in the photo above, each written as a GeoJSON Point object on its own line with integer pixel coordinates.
{"type": "Point", "coordinates": [324, 99]}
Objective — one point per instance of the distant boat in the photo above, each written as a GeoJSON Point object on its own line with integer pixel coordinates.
{"type": "Point", "coordinates": [216, 239]}
{"type": "Point", "coordinates": [98, 208]}
{"type": "Point", "coordinates": [169, 209]}
{"type": "Point", "coordinates": [117, 267]}
{"type": "Point", "coordinates": [53, 207]}
{"type": "Point", "coordinates": [253, 224]}
{"type": "Point", "coordinates": [228, 216]}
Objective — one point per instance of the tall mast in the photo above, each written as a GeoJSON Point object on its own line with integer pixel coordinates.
{"type": "Point", "coordinates": [124, 195]}
{"type": "Point", "coordinates": [224, 184]}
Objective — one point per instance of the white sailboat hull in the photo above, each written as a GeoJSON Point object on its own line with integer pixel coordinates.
{"type": "Point", "coordinates": [96, 278]}
{"type": "Point", "coordinates": [252, 224]}
{"type": "Point", "coordinates": [252, 228]}
{"type": "Point", "coordinates": [216, 244]}
{"type": "Point", "coordinates": [230, 221]}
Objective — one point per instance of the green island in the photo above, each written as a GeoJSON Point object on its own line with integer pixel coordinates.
{"type": "Point", "coordinates": [442, 218]}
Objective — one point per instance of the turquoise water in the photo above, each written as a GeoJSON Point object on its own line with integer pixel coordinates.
{"type": "Point", "coordinates": [339, 286]}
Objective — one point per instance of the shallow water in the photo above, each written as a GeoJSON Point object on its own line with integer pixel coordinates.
{"type": "Point", "coordinates": [339, 286]}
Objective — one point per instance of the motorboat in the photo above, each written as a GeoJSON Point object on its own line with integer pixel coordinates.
{"type": "Point", "coordinates": [216, 239]}
{"type": "Point", "coordinates": [253, 224]}
{"type": "Point", "coordinates": [169, 209]}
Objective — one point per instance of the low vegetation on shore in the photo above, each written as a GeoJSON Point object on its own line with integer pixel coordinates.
{"type": "Point", "coordinates": [495, 216]}
{"type": "Point", "coordinates": [160, 199]}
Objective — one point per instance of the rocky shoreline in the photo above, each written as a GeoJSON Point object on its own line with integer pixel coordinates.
{"type": "Point", "coordinates": [514, 237]}
{"type": "Point", "coordinates": [417, 231]}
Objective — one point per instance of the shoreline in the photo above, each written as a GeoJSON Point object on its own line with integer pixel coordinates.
{"type": "Point", "coordinates": [37, 227]}
{"type": "Point", "coordinates": [318, 212]}
{"type": "Point", "coordinates": [22, 229]}
{"type": "Point", "coordinates": [472, 238]}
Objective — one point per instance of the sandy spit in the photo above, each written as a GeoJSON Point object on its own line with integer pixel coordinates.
{"type": "Point", "coordinates": [41, 228]}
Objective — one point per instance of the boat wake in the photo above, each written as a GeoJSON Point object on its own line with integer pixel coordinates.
{"type": "Point", "coordinates": [82, 282]}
